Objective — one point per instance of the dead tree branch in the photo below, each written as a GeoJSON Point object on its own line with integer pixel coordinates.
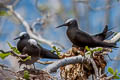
{"type": "Point", "coordinates": [44, 63]}
{"type": "Point", "coordinates": [28, 29]}
{"type": "Point", "coordinates": [71, 60]}
{"type": "Point", "coordinates": [115, 39]}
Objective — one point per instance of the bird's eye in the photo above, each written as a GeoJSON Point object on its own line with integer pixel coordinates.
{"type": "Point", "coordinates": [23, 36]}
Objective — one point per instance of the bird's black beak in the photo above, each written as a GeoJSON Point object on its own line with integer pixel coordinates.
{"type": "Point", "coordinates": [17, 38]}
{"type": "Point", "coordinates": [62, 25]}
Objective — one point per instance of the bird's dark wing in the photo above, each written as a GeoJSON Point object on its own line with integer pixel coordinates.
{"type": "Point", "coordinates": [48, 54]}
{"type": "Point", "coordinates": [31, 50]}
{"type": "Point", "coordinates": [105, 34]}
{"type": "Point", "coordinates": [83, 38]}
{"type": "Point", "coordinates": [101, 36]}
{"type": "Point", "coordinates": [104, 44]}
{"type": "Point", "coordinates": [45, 53]}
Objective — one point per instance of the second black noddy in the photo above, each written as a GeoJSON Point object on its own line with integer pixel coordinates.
{"type": "Point", "coordinates": [29, 46]}
{"type": "Point", "coordinates": [82, 39]}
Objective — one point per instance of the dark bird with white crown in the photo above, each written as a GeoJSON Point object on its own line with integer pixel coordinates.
{"type": "Point", "coordinates": [29, 46]}
{"type": "Point", "coordinates": [82, 39]}
{"type": "Point", "coordinates": [32, 48]}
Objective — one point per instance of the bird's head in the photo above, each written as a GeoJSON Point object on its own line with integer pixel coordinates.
{"type": "Point", "coordinates": [70, 22]}
{"type": "Point", "coordinates": [23, 35]}
{"type": "Point", "coordinates": [32, 42]}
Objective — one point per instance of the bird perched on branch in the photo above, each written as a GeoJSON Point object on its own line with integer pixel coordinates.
{"type": "Point", "coordinates": [29, 46]}
{"type": "Point", "coordinates": [82, 39]}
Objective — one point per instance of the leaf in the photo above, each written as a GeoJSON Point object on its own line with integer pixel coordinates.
{"type": "Point", "coordinates": [94, 50]}
{"type": "Point", "coordinates": [9, 45]}
{"type": "Point", "coordinates": [116, 77]}
{"type": "Point", "coordinates": [13, 48]}
{"type": "Point", "coordinates": [26, 75]}
{"type": "Point", "coordinates": [4, 55]}
{"type": "Point", "coordinates": [57, 50]}
{"type": "Point", "coordinates": [115, 73]}
{"type": "Point", "coordinates": [88, 49]}
{"type": "Point", "coordinates": [89, 53]}
{"type": "Point", "coordinates": [54, 47]}
{"type": "Point", "coordinates": [28, 58]}
{"type": "Point", "coordinates": [99, 49]}
{"type": "Point", "coordinates": [118, 73]}
{"type": "Point", "coordinates": [3, 13]}
{"type": "Point", "coordinates": [58, 53]}
{"type": "Point", "coordinates": [110, 70]}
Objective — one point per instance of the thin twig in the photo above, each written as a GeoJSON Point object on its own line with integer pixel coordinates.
{"type": "Point", "coordinates": [14, 54]}
{"type": "Point", "coordinates": [28, 29]}
{"type": "Point", "coordinates": [109, 77]}
{"type": "Point", "coordinates": [46, 62]}
{"type": "Point", "coordinates": [95, 68]}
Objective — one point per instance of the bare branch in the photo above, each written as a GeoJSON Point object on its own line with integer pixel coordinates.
{"type": "Point", "coordinates": [109, 77]}
{"type": "Point", "coordinates": [28, 29]}
{"type": "Point", "coordinates": [95, 67]}
{"type": "Point", "coordinates": [46, 62]}
{"type": "Point", "coordinates": [71, 60]}
{"type": "Point", "coordinates": [14, 54]}
{"type": "Point", "coordinates": [3, 66]}
{"type": "Point", "coordinates": [115, 39]}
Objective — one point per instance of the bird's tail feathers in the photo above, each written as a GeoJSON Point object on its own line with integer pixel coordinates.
{"type": "Point", "coordinates": [48, 54]}
{"type": "Point", "coordinates": [105, 29]}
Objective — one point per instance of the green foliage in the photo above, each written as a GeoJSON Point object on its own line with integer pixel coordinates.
{"type": "Point", "coordinates": [88, 49]}
{"type": "Point", "coordinates": [110, 70]}
{"type": "Point", "coordinates": [26, 75]}
{"type": "Point", "coordinates": [13, 48]}
{"type": "Point", "coordinates": [3, 13]}
{"type": "Point", "coordinates": [17, 51]}
{"type": "Point", "coordinates": [115, 73]}
{"type": "Point", "coordinates": [57, 50]}
{"type": "Point", "coordinates": [93, 50]}
{"type": "Point", "coordinates": [4, 55]}
{"type": "Point", "coordinates": [28, 58]}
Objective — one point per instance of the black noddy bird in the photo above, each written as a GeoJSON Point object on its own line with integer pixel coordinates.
{"type": "Point", "coordinates": [82, 39]}
{"type": "Point", "coordinates": [29, 46]}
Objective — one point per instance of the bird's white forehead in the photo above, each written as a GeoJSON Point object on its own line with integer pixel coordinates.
{"type": "Point", "coordinates": [69, 20]}
{"type": "Point", "coordinates": [22, 33]}
{"type": "Point", "coordinates": [32, 42]}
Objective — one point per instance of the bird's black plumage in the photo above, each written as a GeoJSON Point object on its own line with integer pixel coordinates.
{"type": "Point", "coordinates": [30, 46]}
{"type": "Point", "coordinates": [24, 37]}
{"type": "Point", "coordinates": [82, 39]}
{"type": "Point", "coordinates": [104, 35]}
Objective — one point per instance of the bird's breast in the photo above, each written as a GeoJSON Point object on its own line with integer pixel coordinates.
{"type": "Point", "coordinates": [71, 34]}
{"type": "Point", "coordinates": [21, 44]}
